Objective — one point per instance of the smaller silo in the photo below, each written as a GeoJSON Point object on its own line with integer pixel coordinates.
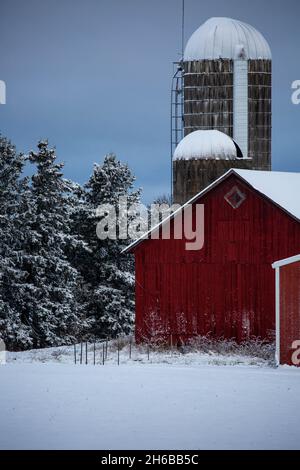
{"type": "Point", "coordinates": [200, 158]}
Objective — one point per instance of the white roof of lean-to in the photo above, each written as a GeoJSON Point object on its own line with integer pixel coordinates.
{"type": "Point", "coordinates": [281, 187]}
{"type": "Point", "coordinates": [286, 262]}
{"type": "Point", "coordinates": [222, 38]}
{"type": "Point", "coordinates": [205, 145]}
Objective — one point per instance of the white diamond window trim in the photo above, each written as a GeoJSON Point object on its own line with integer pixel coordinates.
{"type": "Point", "coordinates": [235, 197]}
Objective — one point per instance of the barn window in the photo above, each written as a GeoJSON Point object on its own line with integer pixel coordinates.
{"type": "Point", "coordinates": [235, 197]}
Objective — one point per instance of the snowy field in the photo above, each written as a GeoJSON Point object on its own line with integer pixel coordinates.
{"type": "Point", "coordinates": [46, 402]}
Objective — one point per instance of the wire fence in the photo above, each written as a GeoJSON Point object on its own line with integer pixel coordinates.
{"type": "Point", "coordinates": [110, 348]}
{"type": "Point", "coordinates": [98, 353]}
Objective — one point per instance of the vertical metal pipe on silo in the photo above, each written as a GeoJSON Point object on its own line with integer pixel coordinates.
{"type": "Point", "coordinates": [240, 104]}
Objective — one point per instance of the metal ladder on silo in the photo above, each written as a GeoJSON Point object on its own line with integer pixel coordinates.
{"type": "Point", "coordinates": [176, 112]}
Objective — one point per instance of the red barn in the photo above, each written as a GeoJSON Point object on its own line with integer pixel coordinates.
{"type": "Point", "coordinates": [288, 311]}
{"type": "Point", "coordinates": [227, 288]}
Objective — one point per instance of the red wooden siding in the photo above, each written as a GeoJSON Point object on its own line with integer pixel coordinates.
{"type": "Point", "coordinates": [289, 310]}
{"type": "Point", "coordinates": [228, 287]}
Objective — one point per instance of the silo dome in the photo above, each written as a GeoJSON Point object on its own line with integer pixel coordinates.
{"type": "Point", "coordinates": [226, 38]}
{"type": "Point", "coordinates": [210, 144]}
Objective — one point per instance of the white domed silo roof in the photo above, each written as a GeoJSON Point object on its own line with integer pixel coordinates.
{"type": "Point", "coordinates": [223, 38]}
{"type": "Point", "coordinates": [210, 144]}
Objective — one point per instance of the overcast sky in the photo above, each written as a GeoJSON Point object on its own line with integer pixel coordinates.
{"type": "Point", "coordinates": [94, 77]}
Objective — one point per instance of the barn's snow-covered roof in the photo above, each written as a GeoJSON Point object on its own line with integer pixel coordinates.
{"type": "Point", "coordinates": [225, 38]}
{"type": "Point", "coordinates": [205, 145]}
{"type": "Point", "coordinates": [282, 188]}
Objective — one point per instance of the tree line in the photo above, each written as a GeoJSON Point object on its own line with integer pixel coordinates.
{"type": "Point", "coordinates": [59, 283]}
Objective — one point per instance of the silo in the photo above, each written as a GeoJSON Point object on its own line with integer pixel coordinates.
{"type": "Point", "coordinates": [227, 80]}
{"type": "Point", "coordinates": [200, 158]}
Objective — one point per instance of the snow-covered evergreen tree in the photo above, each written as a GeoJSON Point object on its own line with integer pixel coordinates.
{"type": "Point", "coordinates": [12, 329]}
{"type": "Point", "coordinates": [45, 298]}
{"type": "Point", "coordinates": [108, 275]}
{"type": "Point", "coordinates": [49, 304]}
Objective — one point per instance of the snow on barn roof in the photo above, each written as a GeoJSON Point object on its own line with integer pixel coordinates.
{"type": "Point", "coordinates": [205, 145]}
{"type": "Point", "coordinates": [283, 188]}
{"type": "Point", "coordinates": [280, 187]}
{"type": "Point", "coordinates": [223, 38]}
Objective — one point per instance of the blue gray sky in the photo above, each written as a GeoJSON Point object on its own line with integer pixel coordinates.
{"type": "Point", "coordinates": [94, 77]}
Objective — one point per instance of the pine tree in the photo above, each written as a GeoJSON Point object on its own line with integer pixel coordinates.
{"type": "Point", "coordinates": [108, 275]}
{"type": "Point", "coordinates": [12, 187]}
{"type": "Point", "coordinates": [47, 300]}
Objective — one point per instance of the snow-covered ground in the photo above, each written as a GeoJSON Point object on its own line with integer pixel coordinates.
{"type": "Point", "coordinates": [139, 355]}
{"type": "Point", "coordinates": [182, 403]}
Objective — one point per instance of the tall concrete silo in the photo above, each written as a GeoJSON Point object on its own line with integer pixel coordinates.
{"type": "Point", "coordinates": [227, 84]}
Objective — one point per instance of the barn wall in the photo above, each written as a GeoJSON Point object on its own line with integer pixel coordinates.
{"type": "Point", "coordinates": [289, 310]}
{"type": "Point", "coordinates": [228, 287]}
